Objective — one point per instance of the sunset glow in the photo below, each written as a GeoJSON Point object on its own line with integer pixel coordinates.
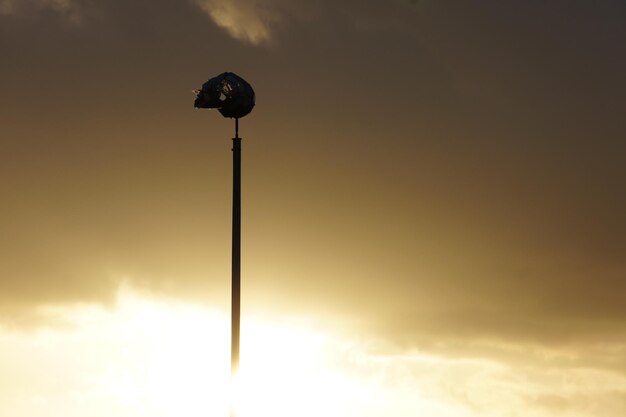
{"type": "Point", "coordinates": [432, 208]}
{"type": "Point", "coordinates": [156, 357]}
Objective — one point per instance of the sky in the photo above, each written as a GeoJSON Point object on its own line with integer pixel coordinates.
{"type": "Point", "coordinates": [432, 221]}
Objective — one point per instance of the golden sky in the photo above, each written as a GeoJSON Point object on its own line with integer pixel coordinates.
{"type": "Point", "coordinates": [433, 208]}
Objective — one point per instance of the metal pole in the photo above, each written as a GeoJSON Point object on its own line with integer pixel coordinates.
{"type": "Point", "coordinates": [236, 258]}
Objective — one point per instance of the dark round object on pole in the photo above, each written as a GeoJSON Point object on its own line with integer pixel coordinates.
{"type": "Point", "coordinates": [229, 93]}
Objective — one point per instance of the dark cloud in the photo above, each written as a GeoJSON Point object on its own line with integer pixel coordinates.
{"type": "Point", "coordinates": [443, 172]}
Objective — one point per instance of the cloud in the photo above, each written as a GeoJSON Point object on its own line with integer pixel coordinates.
{"type": "Point", "coordinates": [130, 359]}
{"type": "Point", "coordinates": [71, 9]}
{"type": "Point", "coordinates": [7, 7]}
{"type": "Point", "coordinates": [245, 20]}
{"type": "Point", "coordinates": [255, 21]}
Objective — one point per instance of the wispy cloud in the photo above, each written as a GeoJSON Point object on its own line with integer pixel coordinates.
{"type": "Point", "coordinates": [245, 20]}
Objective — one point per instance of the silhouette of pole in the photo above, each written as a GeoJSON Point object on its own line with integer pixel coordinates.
{"type": "Point", "coordinates": [234, 98]}
{"type": "Point", "coordinates": [236, 254]}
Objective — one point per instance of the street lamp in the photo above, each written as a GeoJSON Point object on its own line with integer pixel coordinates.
{"type": "Point", "coordinates": [234, 98]}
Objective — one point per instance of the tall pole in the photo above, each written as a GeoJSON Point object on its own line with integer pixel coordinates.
{"type": "Point", "coordinates": [236, 254]}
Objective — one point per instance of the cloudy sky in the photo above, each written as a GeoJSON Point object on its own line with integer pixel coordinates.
{"type": "Point", "coordinates": [433, 207]}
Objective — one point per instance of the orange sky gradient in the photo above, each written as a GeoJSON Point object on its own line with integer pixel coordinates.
{"type": "Point", "coordinates": [433, 208]}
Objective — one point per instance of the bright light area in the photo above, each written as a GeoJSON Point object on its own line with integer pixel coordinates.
{"type": "Point", "coordinates": [159, 358]}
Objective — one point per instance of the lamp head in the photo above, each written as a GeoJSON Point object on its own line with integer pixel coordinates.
{"type": "Point", "coordinates": [228, 93]}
